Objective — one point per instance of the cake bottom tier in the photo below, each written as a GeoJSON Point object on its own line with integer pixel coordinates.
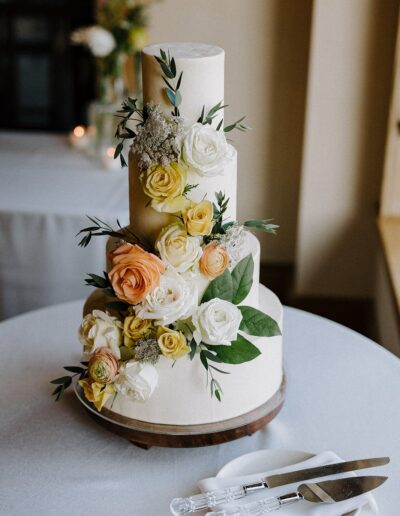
{"type": "Point", "coordinates": [183, 397]}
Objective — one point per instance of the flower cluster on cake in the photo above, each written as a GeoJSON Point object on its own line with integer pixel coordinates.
{"type": "Point", "coordinates": [181, 290]}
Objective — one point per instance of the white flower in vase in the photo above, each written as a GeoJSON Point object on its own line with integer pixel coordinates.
{"type": "Point", "coordinates": [137, 380]}
{"type": "Point", "coordinates": [216, 322]}
{"type": "Point", "coordinates": [206, 151]}
{"type": "Point", "coordinates": [173, 299]}
{"type": "Point", "coordinates": [100, 41]}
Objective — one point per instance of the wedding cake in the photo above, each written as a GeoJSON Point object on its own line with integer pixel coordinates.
{"type": "Point", "coordinates": [180, 332]}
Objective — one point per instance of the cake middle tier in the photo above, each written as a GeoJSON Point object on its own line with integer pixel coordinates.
{"type": "Point", "coordinates": [147, 222]}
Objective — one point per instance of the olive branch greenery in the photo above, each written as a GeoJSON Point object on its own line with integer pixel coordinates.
{"type": "Point", "coordinates": [168, 67]}
{"type": "Point", "coordinates": [129, 110]}
{"type": "Point", "coordinates": [66, 381]}
{"type": "Point", "coordinates": [101, 228]}
{"type": "Point", "coordinates": [207, 119]}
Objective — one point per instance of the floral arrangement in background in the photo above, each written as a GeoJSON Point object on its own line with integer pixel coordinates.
{"type": "Point", "coordinates": [181, 298]}
{"type": "Point", "coordinates": [116, 41]}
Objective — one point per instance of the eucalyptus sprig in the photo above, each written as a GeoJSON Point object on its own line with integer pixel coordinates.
{"type": "Point", "coordinates": [129, 111]}
{"type": "Point", "coordinates": [188, 188]}
{"type": "Point", "coordinates": [262, 224]}
{"type": "Point", "coordinates": [205, 357]}
{"type": "Point", "coordinates": [101, 228]}
{"type": "Point", "coordinates": [213, 112]}
{"type": "Point", "coordinates": [168, 67]}
{"type": "Point", "coordinates": [219, 211]}
{"type": "Point", "coordinates": [66, 381]}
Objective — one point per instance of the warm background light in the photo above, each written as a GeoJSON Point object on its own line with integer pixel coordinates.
{"type": "Point", "coordinates": [79, 131]}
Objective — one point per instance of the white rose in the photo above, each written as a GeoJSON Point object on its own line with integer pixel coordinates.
{"type": "Point", "coordinates": [100, 41]}
{"type": "Point", "coordinates": [173, 299]}
{"type": "Point", "coordinates": [206, 150]}
{"type": "Point", "coordinates": [216, 322]}
{"type": "Point", "coordinates": [177, 249]}
{"type": "Point", "coordinates": [98, 330]}
{"type": "Point", "coordinates": [137, 380]}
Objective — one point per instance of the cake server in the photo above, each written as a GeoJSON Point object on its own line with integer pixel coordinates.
{"type": "Point", "coordinates": [212, 498]}
{"type": "Point", "coordinates": [328, 491]}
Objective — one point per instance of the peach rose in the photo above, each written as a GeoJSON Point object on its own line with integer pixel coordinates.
{"type": "Point", "coordinates": [135, 273]}
{"type": "Point", "coordinates": [103, 366]}
{"type": "Point", "coordinates": [214, 260]}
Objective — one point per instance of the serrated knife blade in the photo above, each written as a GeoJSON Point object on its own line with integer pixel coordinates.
{"type": "Point", "coordinates": [301, 475]}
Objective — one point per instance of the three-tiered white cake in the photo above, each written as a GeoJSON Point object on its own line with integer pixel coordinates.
{"type": "Point", "coordinates": [217, 262]}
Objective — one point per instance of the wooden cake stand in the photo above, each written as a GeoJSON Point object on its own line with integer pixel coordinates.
{"type": "Point", "coordinates": [146, 435]}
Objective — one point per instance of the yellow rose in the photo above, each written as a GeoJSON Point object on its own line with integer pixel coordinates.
{"type": "Point", "coordinates": [97, 393]}
{"type": "Point", "coordinates": [136, 328]}
{"type": "Point", "coordinates": [172, 343]}
{"type": "Point", "coordinates": [165, 184]}
{"type": "Point", "coordinates": [199, 219]}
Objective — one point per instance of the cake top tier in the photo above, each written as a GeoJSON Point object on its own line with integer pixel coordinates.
{"type": "Point", "coordinates": [202, 84]}
{"type": "Point", "coordinates": [181, 50]}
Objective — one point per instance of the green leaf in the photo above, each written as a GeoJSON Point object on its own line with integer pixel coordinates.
{"type": "Point", "coordinates": [258, 323]}
{"type": "Point", "coordinates": [264, 225]}
{"type": "Point", "coordinates": [193, 348]}
{"type": "Point", "coordinates": [201, 117]}
{"type": "Point", "coordinates": [168, 84]}
{"type": "Point", "coordinates": [203, 360]}
{"type": "Point", "coordinates": [221, 287]}
{"type": "Point", "coordinates": [171, 96]}
{"type": "Point", "coordinates": [242, 279]}
{"type": "Point", "coordinates": [118, 149]}
{"type": "Point", "coordinates": [62, 380]}
{"type": "Point", "coordinates": [74, 369]}
{"type": "Point", "coordinates": [97, 281]}
{"type": "Point", "coordinates": [217, 394]}
{"type": "Point", "coordinates": [178, 84]}
{"type": "Point", "coordinates": [166, 71]}
{"type": "Point", "coordinates": [172, 67]}
{"type": "Point", "coordinates": [163, 54]}
{"type": "Point", "coordinates": [178, 98]}
{"type": "Point", "coordinates": [108, 292]}
{"type": "Point", "coordinates": [241, 350]}
{"type": "Point", "coordinates": [220, 124]}
{"type": "Point", "coordinates": [211, 356]}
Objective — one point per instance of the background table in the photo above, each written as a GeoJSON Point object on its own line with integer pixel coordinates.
{"type": "Point", "coordinates": [343, 394]}
{"type": "Point", "coordinates": [46, 189]}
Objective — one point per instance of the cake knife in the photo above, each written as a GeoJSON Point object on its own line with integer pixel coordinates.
{"type": "Point", "coordinates": [329, 491]}
{"type": "Point", "coordinates": [210, 499]}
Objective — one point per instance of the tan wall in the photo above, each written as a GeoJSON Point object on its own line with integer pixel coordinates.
{"type": "Point", "coordinates": [349, 87]}
{"type": "Point", "coordinates": [266, 43]}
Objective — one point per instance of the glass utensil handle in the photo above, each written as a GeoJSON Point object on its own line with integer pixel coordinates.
{"type": "Point", "coordinates": [260, 507]}
{"type": "Point", "coordinates": [202, 501]}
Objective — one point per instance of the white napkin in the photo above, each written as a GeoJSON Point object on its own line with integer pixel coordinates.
{"type": "Point", "coordinates": [367, 501]}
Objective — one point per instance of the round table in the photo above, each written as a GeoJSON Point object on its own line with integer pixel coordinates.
{"type": "Point", "coordinates": [47, 189]}
{"type": "Point", "coordinates": [342, 394]}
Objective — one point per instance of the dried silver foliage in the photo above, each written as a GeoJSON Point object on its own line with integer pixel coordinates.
{"type": "Point", "coordinates": [158, 139]}
{"type": "Point", "coordinates": [147, 350]}
{"type": "Point", "coordinates": [234, 241]}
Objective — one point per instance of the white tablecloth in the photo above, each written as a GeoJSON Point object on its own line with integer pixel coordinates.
{"type": "Point", "coordinates": [46, 189]}
{"type": "Point", "coordinates": [343, 394]}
